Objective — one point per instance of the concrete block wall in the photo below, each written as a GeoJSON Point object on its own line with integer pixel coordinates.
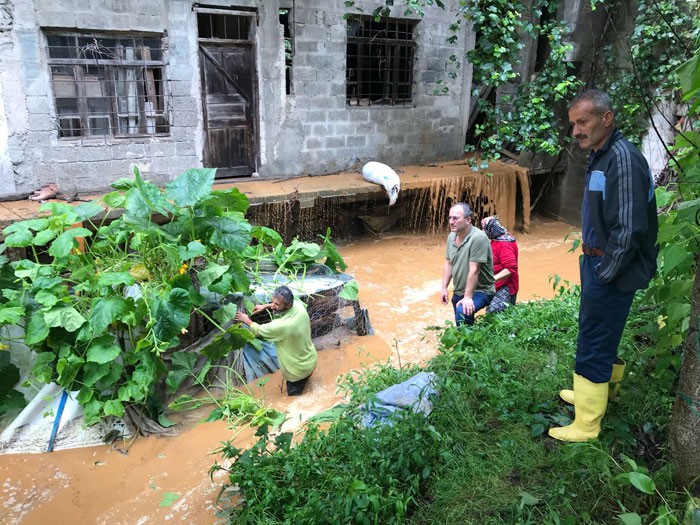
{"type": "Point", "coordinates": [35, 152]}
{"type": "Point", "coordinates": [316, 132]}
{"type": "Point", "coordinates": [311, 131]}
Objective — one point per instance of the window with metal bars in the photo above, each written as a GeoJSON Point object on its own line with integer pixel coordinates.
{"type": "Point", "coordinates": [380, 59]}
{"type": "Point", "coordinates": [108, 86]}
{"type": "Point", "coordinates": [218, 26]}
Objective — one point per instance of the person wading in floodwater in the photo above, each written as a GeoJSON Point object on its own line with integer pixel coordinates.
{"type": "Point", "coordinates": [619, 228]}
{"type": "Point", "coordinates": [290, 330]}
{"type": "Point", "coordinates": [468, 264]}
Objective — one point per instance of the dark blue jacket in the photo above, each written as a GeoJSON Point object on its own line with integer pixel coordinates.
{"type": "Point", "coordinates": [620, 209]}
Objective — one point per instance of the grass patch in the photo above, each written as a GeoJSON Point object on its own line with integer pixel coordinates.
{"type": "Point", "coordinates": [483, 456]}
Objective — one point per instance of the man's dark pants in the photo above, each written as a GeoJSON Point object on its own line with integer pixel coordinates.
{"type": "Point", "coordinates": [296, 388]}
{"type": "Point", "coordinates": [601, 319]}
{"type": "Point", "coordinates": [481, 300]}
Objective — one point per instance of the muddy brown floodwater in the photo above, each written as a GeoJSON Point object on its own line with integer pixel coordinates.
{"type": "Point", "coordinates": [399, 278]}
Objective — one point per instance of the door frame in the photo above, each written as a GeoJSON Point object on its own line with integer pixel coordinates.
{"type": "Point", "coordinates": [253, 103]}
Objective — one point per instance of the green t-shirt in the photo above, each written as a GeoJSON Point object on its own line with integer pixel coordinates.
{"type": "Point", "coordinates": [291, 333]}
{"type": "Point", "coordinates": [475, 247]}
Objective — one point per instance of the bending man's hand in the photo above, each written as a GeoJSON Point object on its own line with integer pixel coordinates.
{"type": "Point", "coordinates": [444, 296]}
{"type": "Point", "coordinates": [242, 317]}
{"type": "Point", "coordinates": [260, 308]}
{"type": "Point", "coordinates": [467, 305]}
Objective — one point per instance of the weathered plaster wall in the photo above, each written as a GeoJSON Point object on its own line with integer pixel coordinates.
{"type": "Point", "coordinates": [38, 155]}
{"type": "Point", "coordinates": [311, 131]}
{"type": "Point", "coordinates": [314, 131]}
{"type": "Point", "coordinates": [6, 47]}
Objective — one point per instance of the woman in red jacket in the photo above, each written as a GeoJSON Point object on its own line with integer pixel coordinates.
{"type": "Point", "coordinates": [505, 263]}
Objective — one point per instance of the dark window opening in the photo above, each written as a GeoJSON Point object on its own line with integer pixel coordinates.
{"type": "Point", "coordinates": [285, 22]}
{"type": "Point", "coordinates": [380, 59]}
{"type": "Point", "coordinates": [477, 118]}
{"type": "Point", "coordinates": [224, 27]}
{"type": "Point", "coordinates": [543, 45]}
{"type": "Point", "coordinates": [108, 86]}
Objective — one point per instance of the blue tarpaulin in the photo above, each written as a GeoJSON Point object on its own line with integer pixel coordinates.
{"type": "Point", "coordinates": [414, 394]}
{"type": "Point", "coordinates": [257, 363]}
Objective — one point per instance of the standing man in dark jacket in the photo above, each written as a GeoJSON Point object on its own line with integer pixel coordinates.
{"type": "Point", "coordinates": [619, 228]}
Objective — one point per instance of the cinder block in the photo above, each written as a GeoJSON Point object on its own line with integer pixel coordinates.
{"type": "Point", "coordinates": [38, 105]}
{"type": "Point", "coordinates": [356, 141]}
{"type": "Point", "coordinates": [335, 142]}
{"type": "Point", "coordinates": [162, 149]}
{"type": "Point", "coordinates": [303, 46]}
{"type": "Point", "coordinates": [185, 149]}
{"type": "Point", "coordinates": [95, 153]}
{"type": "Point", "coordinates": [129, 151]}
{"type": "Point", "coordinates": [41, 122]}
{"type": "Point", "coordinates": [316, 115]}
{"type": "Point", "coordinates": [312, 144]}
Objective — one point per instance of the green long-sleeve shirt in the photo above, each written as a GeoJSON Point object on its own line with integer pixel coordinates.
{"type": "Point", "coordinates": [291, 333]}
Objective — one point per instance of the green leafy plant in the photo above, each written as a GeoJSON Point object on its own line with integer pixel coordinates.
{"type": "Point", "coordinates": [345, 474]}
{"type": "Point", "coordinates": [103, 301]}
{"type": "Point", "coordinates": [10, 398]}
{"type": "Point", "coordinates": [235, 405]}
{"type": "Point", "coordinates": [679, 233]}
{"type": "Point", "coordinates": [270, 251]}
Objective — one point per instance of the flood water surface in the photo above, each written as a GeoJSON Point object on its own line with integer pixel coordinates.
{"type": "Point", "coordinates": [165, 480]}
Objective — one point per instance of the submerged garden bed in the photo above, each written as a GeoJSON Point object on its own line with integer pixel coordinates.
{"type": "Point", "coordinates": [125, 312]}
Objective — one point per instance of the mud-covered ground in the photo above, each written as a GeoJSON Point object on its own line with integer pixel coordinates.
{"type": "Point", "coordinates": [165, 480]}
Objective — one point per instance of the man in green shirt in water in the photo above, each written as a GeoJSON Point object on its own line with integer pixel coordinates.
{"type": "Point", "coordinates": [290, 330]}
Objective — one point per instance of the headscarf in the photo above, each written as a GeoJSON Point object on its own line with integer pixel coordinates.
{"type": "Point", "coordinates": [494, 230]}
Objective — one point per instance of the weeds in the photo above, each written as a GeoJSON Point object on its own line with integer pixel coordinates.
{"type": "Point", "coordinates": [345, 475]}
{"type": "Point", "coordinates": [482, 457]}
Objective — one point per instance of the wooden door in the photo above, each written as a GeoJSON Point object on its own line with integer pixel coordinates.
{"type": "Point", "coordinates": [229, 112]}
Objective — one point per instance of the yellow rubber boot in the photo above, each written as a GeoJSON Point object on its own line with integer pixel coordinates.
{"type": "Point", "coordinates": [567, 395]}
{"type": "Point", "coordinates": [616, 378]}
{"type": "Point", "coordinates": [590, 402]}
{"type": "Point", "coordinates": [618, 371]}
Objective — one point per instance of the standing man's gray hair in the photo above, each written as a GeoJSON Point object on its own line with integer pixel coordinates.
{"type": "Point", "coordinates": [465, 208]}
{"type": "Point", "coordinates": [600, 99]}
{"type": "Point", "coordinates": [284, 293]}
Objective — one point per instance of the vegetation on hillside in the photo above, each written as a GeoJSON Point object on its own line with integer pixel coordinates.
{"type": "Point", "coordinates": [482, 456]}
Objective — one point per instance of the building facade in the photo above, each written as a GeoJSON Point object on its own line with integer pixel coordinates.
{"type": "Point", "coordinates": [254, 88]}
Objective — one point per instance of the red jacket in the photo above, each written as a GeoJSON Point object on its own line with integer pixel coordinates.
{"type": "Point", "coordinates": [505, 255]}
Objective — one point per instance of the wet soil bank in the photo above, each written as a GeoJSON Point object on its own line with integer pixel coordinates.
{"type": "Point", "coordinates": [399, 278]}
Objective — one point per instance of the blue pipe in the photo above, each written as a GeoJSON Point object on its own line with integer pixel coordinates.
{"type": "Point", "coordinates": [57, 419]}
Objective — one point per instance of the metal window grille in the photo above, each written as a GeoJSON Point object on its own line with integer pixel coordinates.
{"type": "Point", "coordinates": [380, 60]}
{"type": "Point", "coordinates": [217, 26]}
{"type": "Point", "coordinates": [108, 86]}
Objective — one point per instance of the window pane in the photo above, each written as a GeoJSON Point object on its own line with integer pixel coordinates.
{"type": "Point", "coordinates": [63, 82]}
{"type": "Point", "coordinates": [99, 126]}
{"type": "Point", "coordinates": [106, 89]}
{"type": "Point", "coordinates": [67, 106]}
{"type": "Point", "coordinates": [228, 27]}
{"type": "Point", "coordinates": [69, 127]}
{"type": "Point", "coordinates": [61, 46]}
{"type": "Point", "coordinates": [153, 47]}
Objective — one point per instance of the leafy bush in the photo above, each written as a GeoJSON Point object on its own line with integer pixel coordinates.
{"type": "Point", "coordinates": [483, 456]}
{"type": "Point", "coordinates": [346, 474]}
{"type": "Point", "coordinates": [104, 303]}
